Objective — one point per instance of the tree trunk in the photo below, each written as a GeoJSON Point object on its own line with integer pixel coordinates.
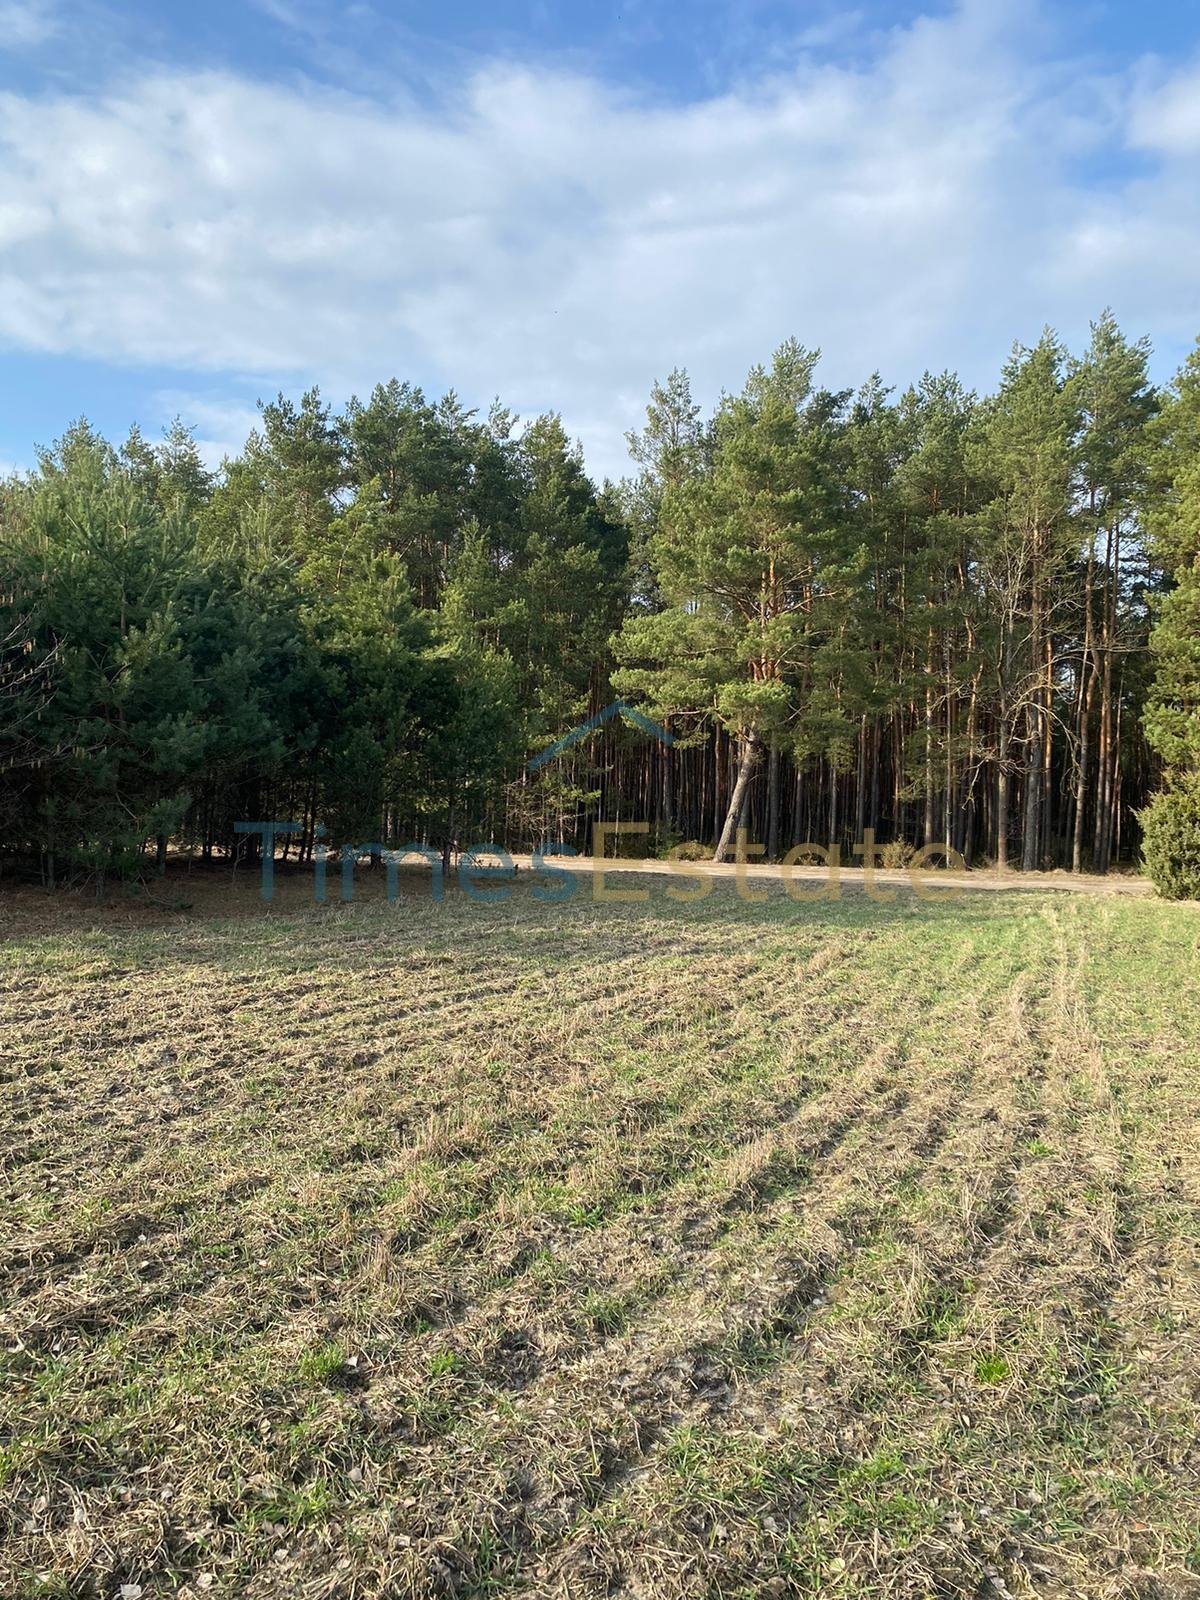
{"type": "Point", "coordinates": [1114, 832]}
{"type": "Point", "coordinates": [737, 800]}
{"type": "Point", "coordinates": [1033, 747]}
{"type": "Point", "coordinates": [1100, 847]}
{"type": "Point", "coordinates": [1048, 763]}
{"type": "Point", "coordinates": [1081, 770]}
{"type": "Point", "coordinates": [1087, 668]}
{"type": "Point", "coordinates": [1033, 773]}
{"type": "Point", "coordinates": [668, 799]}
{"type": "Point", "coordinates": [773, 802]}
{"type": "Point", "coordinates": [1112, 786]}
{"type": "Point", "coordinates": [1002, 797]}
{"type": "Point", "coordinates": [928, 825]}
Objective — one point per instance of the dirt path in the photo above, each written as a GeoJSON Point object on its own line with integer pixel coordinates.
{"type": "Point", "coordinates": [931, 879]}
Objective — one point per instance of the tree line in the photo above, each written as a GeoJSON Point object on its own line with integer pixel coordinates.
{"type": "Point", "coordinates": [959, 621]}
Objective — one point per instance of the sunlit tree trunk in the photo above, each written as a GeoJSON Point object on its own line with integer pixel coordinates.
{"type": "Point", "coordinates": [748, 750]}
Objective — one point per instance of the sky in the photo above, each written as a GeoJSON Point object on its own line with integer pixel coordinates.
{"type": "Point", "coordinates": [558, 203]}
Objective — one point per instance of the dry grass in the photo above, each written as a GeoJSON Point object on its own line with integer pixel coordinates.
{"type": "Point", "coordinates": [583, 1251]}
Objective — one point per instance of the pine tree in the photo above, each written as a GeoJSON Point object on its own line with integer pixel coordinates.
{"type": "Point", "coordinates": [1112, 389]}
{"type": "Point", "coordinates": [753, 563]}
{"type": "Point", "coordinates": [1173, 714]}
{"type": "Point", "coordinates": [1026, 447]}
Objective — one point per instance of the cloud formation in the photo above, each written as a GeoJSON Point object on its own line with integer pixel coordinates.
{"type": "Point", "coordinates": [1166, 116]}
{"type": "Point", "coordinates": [24, 23]}
{"type": "Point", "coordinates": [562, 242]}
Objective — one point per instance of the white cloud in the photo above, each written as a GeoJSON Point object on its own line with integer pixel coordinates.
{"type": "Point", "coordinates": [220, 427]}
{"type": "Point", "coordinates": [840, 28]}
{"type": "Point", "coordinates": [25, 23]}
{"type": "Point", "coordinates": [552, 239]}
{"type": "Point", "coordinates": [279, 11]}
{"type": "Point", "coordinates": [1166, 117]}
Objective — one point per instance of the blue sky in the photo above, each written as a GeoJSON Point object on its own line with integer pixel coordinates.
{"type": "Point", "coordinates": [560, 202]}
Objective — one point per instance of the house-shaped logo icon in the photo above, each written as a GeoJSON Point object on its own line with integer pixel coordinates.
{"type": "Point", "coordinates": [617, 709]}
